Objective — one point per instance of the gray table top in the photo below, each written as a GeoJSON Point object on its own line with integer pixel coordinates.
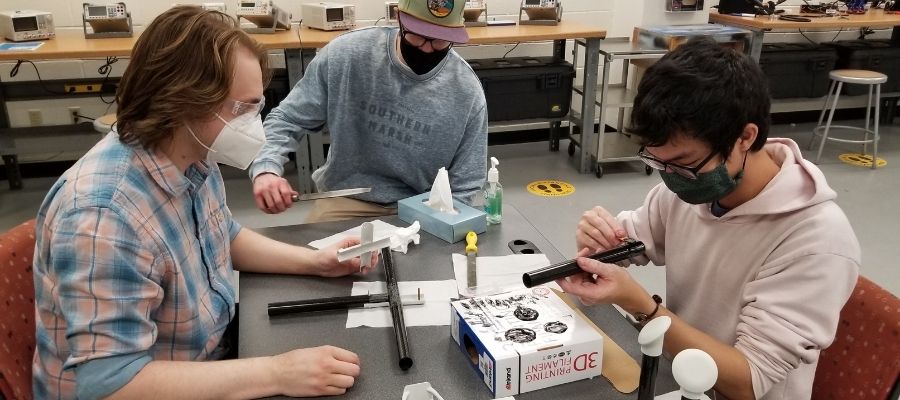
{"type": "Point", "coordinates": [437, 359]}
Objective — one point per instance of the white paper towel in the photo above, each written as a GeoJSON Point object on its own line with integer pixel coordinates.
{"type": "Point", "coordinates": [435, 311]}
{"type": "Point", "coordinates": [498, 274]}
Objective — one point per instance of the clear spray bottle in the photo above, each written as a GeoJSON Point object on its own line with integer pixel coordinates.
{"type": "Point", "coordinates": [493, 194]}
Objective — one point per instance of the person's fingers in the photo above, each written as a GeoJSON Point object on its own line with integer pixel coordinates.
{"type": "Point", "coordinates": [348, 241]}
{"type": "Point", "coordinates": [346, 368]}
{"type": "Point", "coordinates": [354, 264]}
{"type": "Point", "coordinates": [269, 203]}
{"type": "Point", "coordinates": [602, 226]}
{"type": "Point", "coordinates": [333, 391]}
{"type": "Point", "coordinates": [579, 278]}
{"type": "Point", "coordinates": [617, 231]}
{"type": "Point", "coordinates": [286, 193]}
{"type": "Point", "coordinates": [277, 201]}
{"type": "Point", "coordinates": [344, 355]}
{"type": "Point", "coordinates": [287, 198]}
{"type": "Point", "coordinates": [576, 289]}
{"type": "Point", "coordinates": [595, 267]}
{"type": "Point", "coordinates": [340, 381]}
{"type": "Point", "coordinates": [592, 234]}
{"type": "Point", "coordinates": [563, 284]}
{"type": "Point", "coordinates": [584, 252]}
{"type": "Point", "coordinates": [260, 202]}
{"type": "Point", "coordinates": [582, 240]}
{"type": "Point", "coordinates": [602, 233]}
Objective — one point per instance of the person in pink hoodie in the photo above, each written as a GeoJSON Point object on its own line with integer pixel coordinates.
{"type": "Point", "coordinates": [759, 258]}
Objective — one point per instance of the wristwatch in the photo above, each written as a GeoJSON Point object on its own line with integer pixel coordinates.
{"type": "Point", "coordinates": [643, 318]}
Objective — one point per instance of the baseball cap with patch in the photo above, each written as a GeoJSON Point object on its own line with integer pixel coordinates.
{"type": "Point", "coordinates": [437, 19]}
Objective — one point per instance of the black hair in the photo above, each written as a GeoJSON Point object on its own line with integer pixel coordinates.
{"type": "Point", "coordinates": [705, 91]}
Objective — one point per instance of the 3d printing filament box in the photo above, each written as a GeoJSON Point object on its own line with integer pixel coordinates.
{"type": "Point", "coordinates": [525, 340]}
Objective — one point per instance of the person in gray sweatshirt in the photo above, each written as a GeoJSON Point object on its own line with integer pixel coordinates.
{"type": "Point", "coordinates": [399, 104]}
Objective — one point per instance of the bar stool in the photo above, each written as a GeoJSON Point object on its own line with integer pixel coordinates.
{"type": "Point", "coordinates": [104, 124]}
{"type": "Point", "coordinates": [852, 76]}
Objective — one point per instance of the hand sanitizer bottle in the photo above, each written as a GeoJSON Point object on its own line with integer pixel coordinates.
{"type": "Point", "coordinates": [493, 194]}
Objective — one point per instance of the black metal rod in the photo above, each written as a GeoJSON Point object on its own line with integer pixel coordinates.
{"type": "Point", "coordinates": [628, 249]}
{"type": "Point", "coordinates": [325, 304]}
{"type": "Point", "coordinates": [649, 368]}
{"type": "Point", "coordinates": [396, 307]}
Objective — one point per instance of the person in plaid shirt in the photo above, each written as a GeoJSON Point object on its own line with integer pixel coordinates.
{"type": "Point", "coordinates": [135, 243]}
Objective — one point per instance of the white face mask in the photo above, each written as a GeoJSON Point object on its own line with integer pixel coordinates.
{"type": "Point", "coordinates": [238, 142]}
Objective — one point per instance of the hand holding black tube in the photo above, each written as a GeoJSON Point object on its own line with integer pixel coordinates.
{"type": "Point", "coordinates": [629, 248]}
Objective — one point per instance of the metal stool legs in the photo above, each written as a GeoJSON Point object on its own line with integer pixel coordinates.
{"type": "Point", "coordinates": [823, 130]}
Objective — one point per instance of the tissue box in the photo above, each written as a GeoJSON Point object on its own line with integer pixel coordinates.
{"type": "Point", "coordinates": [525, 340]}
{"type": "Point", "coordinates": [451, 228]}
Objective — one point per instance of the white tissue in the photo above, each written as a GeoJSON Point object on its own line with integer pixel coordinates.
{"type": "Point", "coordinates": [441, 198]}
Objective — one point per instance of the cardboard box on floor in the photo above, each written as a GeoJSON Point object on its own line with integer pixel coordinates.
{"type": "Point", "coordinates": [526, 340]}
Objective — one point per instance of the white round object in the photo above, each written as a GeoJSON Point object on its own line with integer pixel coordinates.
{"type": "Point", "coordinates": [652, 335]}
{"type": "Point", "coordinates": [695, 371]}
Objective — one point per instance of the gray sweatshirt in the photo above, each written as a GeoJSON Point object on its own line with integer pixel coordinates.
{"type": "Point", "coordinates": [390, 128]}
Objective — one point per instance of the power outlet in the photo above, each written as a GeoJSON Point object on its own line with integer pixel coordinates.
{"type": "Point", "coordinates": [36, 117]}
{"type": "Point", "coordinates": [73, 112]}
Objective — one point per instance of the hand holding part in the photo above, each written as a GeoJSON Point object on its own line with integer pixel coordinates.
{"type": "Point", "coordinates": [334, 260]}
{"type": "Point", "coordinates": [628, 249]}
{"type": "Point", "coordinates": [272, 193]}
{"type": "Point", "coordinates": [598, 230]}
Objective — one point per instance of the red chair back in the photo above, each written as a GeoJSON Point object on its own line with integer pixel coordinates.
{"type": "Point", "coordinates": [16, 311]}
{"type": "Point", "coordinates": [863, 363]}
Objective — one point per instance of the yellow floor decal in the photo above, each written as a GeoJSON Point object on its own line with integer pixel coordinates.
{"type": "Point", "coordinates": [551, 188]}
{"type": "Point", "coordinates": [861, 160]}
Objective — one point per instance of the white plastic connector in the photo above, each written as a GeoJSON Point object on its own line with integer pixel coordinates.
{"type": "Point", "coordinates": [420, 391]}
{"type": "Point", "coordinates": [652, 335]}
{"type": "Point", "coordinates": [402, 236]}
{"type": "Point", "coordinates": [695, 371]}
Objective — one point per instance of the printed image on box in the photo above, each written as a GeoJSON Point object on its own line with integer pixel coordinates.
{"type": "Point", "coordinates": [525, 340]}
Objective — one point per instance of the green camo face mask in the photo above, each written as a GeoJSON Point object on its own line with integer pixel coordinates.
{"type": "Point", "coordinates": [707, 188]}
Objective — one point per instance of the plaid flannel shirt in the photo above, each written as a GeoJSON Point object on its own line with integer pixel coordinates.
{"type": "Point", "coordinates": [132, 264]}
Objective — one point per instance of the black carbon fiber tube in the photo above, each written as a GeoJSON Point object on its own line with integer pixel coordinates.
{"type": "Point", "coordinates": [396, 309]}
{"type": "Point", "coordinates": [629, 248]}
{"type": "Point", "coordinates": [647, 385]}
{"type": "Point", "coordinates": [325, 304]}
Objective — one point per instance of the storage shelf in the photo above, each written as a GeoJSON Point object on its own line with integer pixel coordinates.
{"type": "Point", "coordinates": [525, 124]}
{"type": "Point", "coordinates": [618, 96]}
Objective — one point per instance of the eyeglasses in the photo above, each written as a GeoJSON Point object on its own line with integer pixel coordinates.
{"type": "Point", "coordinates": [660, 165]}
{"type": "Point", "coordinates": [240, 108]}
{"type": "Point", "coordinates": [419, 41]}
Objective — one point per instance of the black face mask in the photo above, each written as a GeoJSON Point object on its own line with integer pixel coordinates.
{"type": "Point", "coordinates": [419, 61]}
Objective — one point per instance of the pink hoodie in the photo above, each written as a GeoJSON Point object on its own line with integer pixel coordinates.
{"type": "Point", "coordinates": [769, 277]}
